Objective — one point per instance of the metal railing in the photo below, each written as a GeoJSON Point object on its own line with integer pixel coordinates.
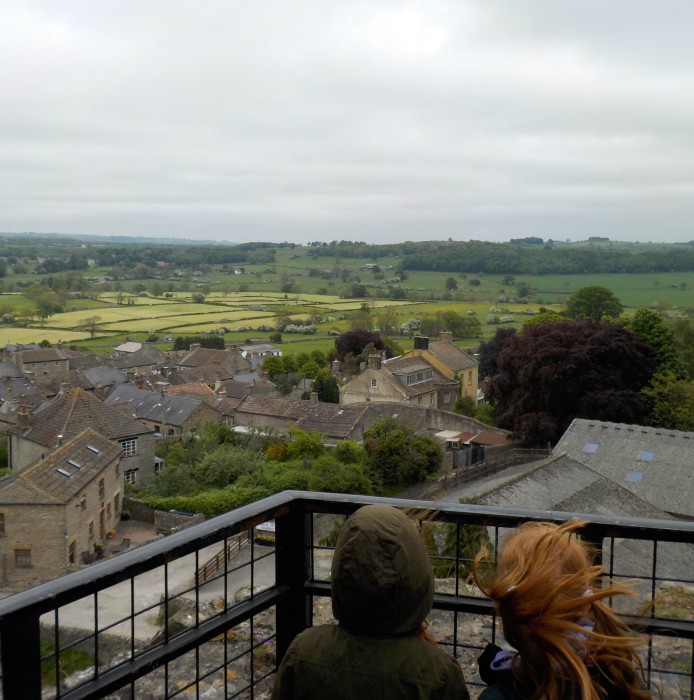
{"type": "Point", "coordinates": [142, 625]}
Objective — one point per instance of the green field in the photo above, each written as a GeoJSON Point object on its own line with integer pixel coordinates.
{"type": "Point", "coordinates": [317, 292]}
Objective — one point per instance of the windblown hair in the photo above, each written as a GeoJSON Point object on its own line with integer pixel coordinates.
{"type": "Point", "coordinates": [544, 587]}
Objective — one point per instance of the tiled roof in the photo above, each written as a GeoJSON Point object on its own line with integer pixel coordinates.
{"type": "Point", "coordinates": [70, 413]}
{"type": "Point", "coordinates": [71, 467]}
{"type": "Point", "coordinates": [152, 405]}
{"type": "Point", "coordinates": [16, 387]}
{"type": "Point", "coordinates": [225, 405]}
{"type": "Point", "coordinates": [451, 355]}
{"type": "Point", "coordinates": [652, 463]}
{"type": "Point", "coordinates": [183, 389]}
{"type": "Point", "coordinates": [105, 375]}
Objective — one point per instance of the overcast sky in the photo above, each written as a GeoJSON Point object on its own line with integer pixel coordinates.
{"type": "Point", "coordinates": [348, 119]}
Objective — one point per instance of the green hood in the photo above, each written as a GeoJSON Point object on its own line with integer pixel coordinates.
{"type": "Point", "coordinates": [382, 581]}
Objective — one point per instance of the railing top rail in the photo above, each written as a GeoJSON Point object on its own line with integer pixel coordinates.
{"type": "Point", "coordinates": [74, 586]}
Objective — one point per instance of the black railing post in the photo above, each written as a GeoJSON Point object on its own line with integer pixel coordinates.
{"type": "Point", "coordinates": [292, 561]}
{"type": "Point", "coordinates": [20, 642]}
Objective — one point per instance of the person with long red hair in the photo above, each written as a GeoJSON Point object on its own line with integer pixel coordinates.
{"type": "Point", "coordinates": [568, 642]}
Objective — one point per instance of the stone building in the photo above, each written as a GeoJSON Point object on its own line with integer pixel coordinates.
{"type": "Point", "coordinates": [55, 515]}
{"type": "Point", "coordinates": [37, 433]}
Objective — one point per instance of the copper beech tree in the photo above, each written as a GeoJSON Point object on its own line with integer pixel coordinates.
{"type": "Point", "coordinates": [551, 373]}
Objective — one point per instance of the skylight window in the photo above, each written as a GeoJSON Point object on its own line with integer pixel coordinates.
{"type": "Point", "coordinates": [646, 456]}
{"type": "Point", "coordinates": [64, 472]}
{"type": "Point", "coordinates": [591, 448]}
{"type": "Point", "coordinates": [93, 449]}
{"type": "Point", "coordinates": [635, 476]}
{"type": "Point", "coordinates": [74, 464]}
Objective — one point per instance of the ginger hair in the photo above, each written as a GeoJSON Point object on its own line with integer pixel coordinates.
{"type": "Point", "coordinates": [545, 584]}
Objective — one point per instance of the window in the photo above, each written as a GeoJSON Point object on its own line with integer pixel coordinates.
{"type": "Point", "coordinates": [431, 399]}
{"type": "Point", "coordinates": [116, 503]}
{"type": "Point", "coordinates": [102, 489]}
{"type": "Point", "coordinates": [635, 476]}
{"type": "Point", "coordinates": [646, 456]}
{"type": "Point", "coordinates": [374, 383]}
{"type": "Point", "coordinates": [108, 509]}
{"type": "Point", "coordinates": [469, 378]}
{"type": "Point", "coordinates": [590, 448]}
{"type": "Point", "coordinates": [83, 503]}
{"type": "Point", "coordinates": [446, 396]}
{"type": "Point", "coordinates": [131, 476]}
{"type": "Point", "coordinates": [419, 399]}
{"type": "Point", "coordinates": [22, 557]}
{"type": "Point", "coordinates": [90, 528]}
{"type": "Point", "coordinates": [2, 524]}
{"type": "Point", "coordinates": [129, 446]}
{"type": "Point", "coordinates": [72, 552]}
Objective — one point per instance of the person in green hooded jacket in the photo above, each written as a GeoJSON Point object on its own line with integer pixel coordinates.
{"type": "Point", "coordinates": [382, 592]}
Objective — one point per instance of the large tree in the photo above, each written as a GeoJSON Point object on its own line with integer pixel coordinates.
{"type": "Point", "coordinates": [353, 342]}
{"type": "Point", "coordinates": [551, 373]}
{"type": "Point", "coordinates": [397, 456]}
{"type": "Point", "coordinates": [593, 302]}
{"type": "Point", "coordinates": [489, 351]}
{"type": "Point", "coordinates": [652, 328]}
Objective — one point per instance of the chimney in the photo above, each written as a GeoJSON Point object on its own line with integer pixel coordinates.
{"type": "Point", "coordinates": [421, 342]}
{"type": "Point", "coordinates": [99, 392]}
{"type": "Point", "coordinates": [313, 397]}
{"type": "Point", "coordinates": [64, 387]}
{"type": "Point", "coordinates": [446, 336]}
{"type": "Point", "coordinates": [194, 346]}
{"type": "Point", "coordinates": [336, 367]}
{"type": "Point", "coordinates": [373, 362]}
{"type": "Point", "coordinates": [23, 417]}
{"type": "Point", "coordinates": [222, 393]}
{"type": "Point", "coordinates": [139, 381]}
{"type": "Point", "coordinates": [362, 367]}
{"type": "Point", "coordinates": [217, 385]}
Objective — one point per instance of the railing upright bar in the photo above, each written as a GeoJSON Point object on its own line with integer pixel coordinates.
{"type": "Point", "coordinates": [20, 642]}
{"type": "Point", "coordinates": [292, 567]}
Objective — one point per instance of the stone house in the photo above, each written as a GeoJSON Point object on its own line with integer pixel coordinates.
{"type": "Point", "coordinates": [44, 362]}
{"type": "Point", "coordinates": [409, 380]}
{"type": "Point", "coordinates": [230, 360]}
{"type": "Point", "coordinates": [449, 360]}
{"type": "Point", "coordinates": [36, 434]}
{"type": "Point", "coordinates": [55, 514]}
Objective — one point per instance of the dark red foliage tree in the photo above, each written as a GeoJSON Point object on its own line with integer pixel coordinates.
{"type": "Point", "coordinates": [551, 373]}
{"type": "Point", "coordinates": [353, 342]}
{"type": "Point", "coordinates": [489, 351]}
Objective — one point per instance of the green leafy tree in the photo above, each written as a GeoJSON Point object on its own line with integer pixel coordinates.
{"type": "Point", "coordinates": [224, 465]}
{"type": "Point", "coordinates": [397, 456]}
{"type": "Point", "coordinates": [451, 284]}
{"type": "Point", "coordinates": [671, 402]}
{"type": "Point", "coordinates": [683, 334]}
{"type": "Point", "coordinates": [303, 444]}
{"type": "Point", "coordinates": [650, 326]}
{"type": "Point", "coordinates": [325, 385]}
{"type": "Point", "coordinates": [330, 474]}
{"type": "Point", "coordinates": [91, 324]}
{"type": "Point", "coordinates": [594, 302]}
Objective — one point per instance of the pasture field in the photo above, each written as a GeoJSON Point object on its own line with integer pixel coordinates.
{"type": "Point", "coordinates": [23, 336]}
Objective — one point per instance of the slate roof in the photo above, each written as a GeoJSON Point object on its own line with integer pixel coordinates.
{"type": "Point", "coordinates": [563, 484]}
{"type": "Point", "coordinates": [52, 384]}
{"type": "Point", "coordinates": [70, 413]}
{"type": "Point", "coordinates": [407, 365]}
{"type": "Point", "coordinates": [80, 460]}
{"type": "Point", "coordinates": [16, 387]}
{"type": "Point", "coordinates": [9, 369]}
{"type": "Point", "coordinates": [652, 463]}
{"type": "Point", "coordinates": [451, 355]}
{"type": "Point", "coordinates": [225, 405]}
{"type": "Point", "coordinates": [152, 405]}
{"type": "Point", "coordinates": [207, 375]}
{"type": "Point", "coordinates": [43, 355]}
{"type": "Point", "coordinates": [199, 357]}
{"type": "Point", "coordinates": [104, 375]}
